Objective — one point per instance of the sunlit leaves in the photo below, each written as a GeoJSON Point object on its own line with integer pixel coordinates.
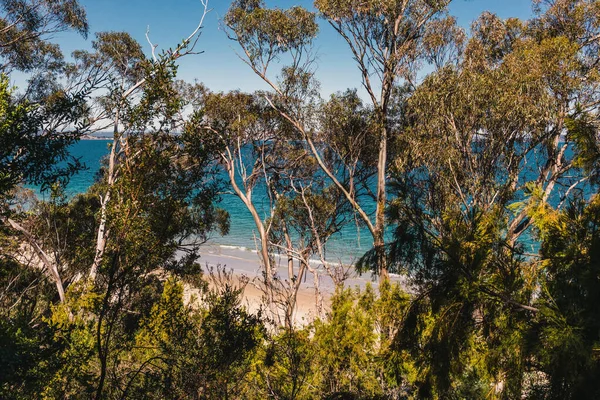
{"type": "Point", "coordinates": [582, 130]}
{"type": "Point", "coordinates": [268, 33]}
{"type": "Point", "coordinates": [568, 329]}
{"type": "Point", "coordinates": [32, 140]}
{"type": "Point", "coordinates": [26, 25]}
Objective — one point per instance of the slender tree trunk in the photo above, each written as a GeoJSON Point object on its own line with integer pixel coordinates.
{"type": "Point", "coordinates": [102, 231]}
{"type": "Point", "coordinates": [264, 244]}
{"type": "Point", "coordinates": [379, 232]}
{"type": "Point", "coordinates": [260, 226]}
{"type": "Point", "coordinates": [293, 300]}
{"type": "Point", "coordinates": [290, 255]}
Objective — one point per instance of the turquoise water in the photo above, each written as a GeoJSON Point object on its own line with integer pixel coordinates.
{"type": "Point", "coordinates": [347, 246]}
{"type": "Point", "coordinates": [90, 153]}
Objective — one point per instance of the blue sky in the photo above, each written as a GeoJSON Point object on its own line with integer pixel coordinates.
{"type": "Point", "coordinates": [219, 67]}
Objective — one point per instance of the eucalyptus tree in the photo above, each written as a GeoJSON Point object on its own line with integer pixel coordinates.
{"type": "Point", "coordinates": [116, 65]}
{"type": "Point", "coordinates": [34, 135]}
{"type": "Point", "coordinates": [268, 168]}
{"type": "Point", "coordinates": [40, 124]}
{"type": "Point", "coordinates": [119, 70]}
{"type": "Point", "coordinates": [386, 43]}
{"type": "Point", "coordinates": [26, 27]}
{"type": "Point", "coordinates": [160, 208]}
{"type": "Point", "coordinates": [384, 39]}
{"type": "Point", "coordinates": [308, 213]}
{"type": "Point", "coordinates": [508, 132]}
{"type": "Point", "coordinates": [244, 138]}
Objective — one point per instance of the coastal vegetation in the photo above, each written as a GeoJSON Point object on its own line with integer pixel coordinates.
{"type": "Point", "coordinates": [473, 161]}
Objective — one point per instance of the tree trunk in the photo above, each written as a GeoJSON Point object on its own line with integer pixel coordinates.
{"type": "Point", "coordinates": [102, 232]}
{"type": "Point", "coordinates": [264, 245]}
{"type": "Point", "coordinates": [247, 200]}
{"type": "Point", "coordinates": [378, 234]}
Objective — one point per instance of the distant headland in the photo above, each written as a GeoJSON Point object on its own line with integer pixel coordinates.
{"type": "Point", "coordinates": [97, 136]}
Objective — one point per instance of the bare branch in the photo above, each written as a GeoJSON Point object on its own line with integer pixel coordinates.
{"type": "Point", "coordinates": [43, 258]}
{"type": "Point", "coordinates": [152, 46]}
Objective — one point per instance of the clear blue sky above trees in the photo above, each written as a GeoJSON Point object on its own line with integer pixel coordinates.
{"type": "Point", "coordinates": [219, 67]}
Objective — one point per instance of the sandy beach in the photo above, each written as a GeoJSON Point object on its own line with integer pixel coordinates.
{"type": "Point", "coordinates": [245, 263]}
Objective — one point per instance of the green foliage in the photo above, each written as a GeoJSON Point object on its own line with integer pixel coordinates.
{"type": "Point", "coordinates": [25, 26]}
{"type": "Point", "coordinates": [230, 335]}
{"type": "Point", "coordinates": [182, 352]}
{"type": "Point", "coordinates": [265, 33]}
{"type": "Point", "coordinates": [566, 335]}
{"type": "Point", "coordinates": [25, 154]}
{"type": "Point", "coordinates": [347, 345]}
{"type": "Point", "coordinates": [356, 354]}
{"type": "Point", "coordinates": [76, 369]}
{"type": "Point", "coordinates": [28, 353]}
{"type": "Point", "coordinates": [480, 167]}
{"type": "Point", "coordinates": [583, 133]}
{"type": "Point", "coordinates": [464, 325]}
{"type": "Point", "coordinates": [348, 128]}
{"type": "Point", "coordinates": [283, 367]}
{"type": "Point", "coordinates": [67, 227]}
{"type": "Point", "coordinates": [349, 354]}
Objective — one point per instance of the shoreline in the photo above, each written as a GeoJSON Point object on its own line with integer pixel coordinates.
{"type": "Point", "coordinates": [88, 137]}
{"type": "Point", "coordinates": [244, 262]}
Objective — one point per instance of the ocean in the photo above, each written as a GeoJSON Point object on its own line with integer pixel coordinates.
{"type": "Point", "coordinates": [346, 246]}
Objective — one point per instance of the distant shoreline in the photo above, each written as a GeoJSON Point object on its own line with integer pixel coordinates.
{"type": "Point", "coordinates": [88, 137]}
